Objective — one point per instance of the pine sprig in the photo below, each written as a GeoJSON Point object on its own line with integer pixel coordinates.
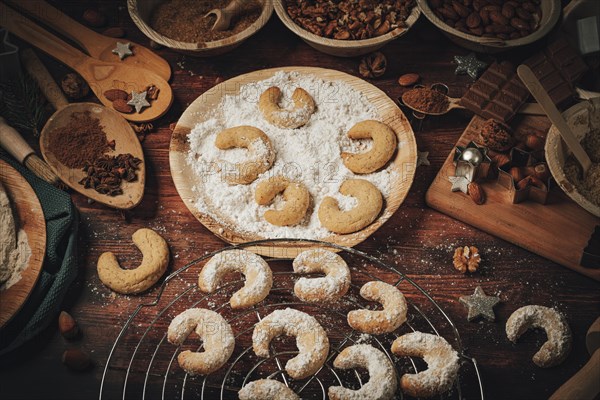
{"type": "Point", "coordinates": [22, 104]}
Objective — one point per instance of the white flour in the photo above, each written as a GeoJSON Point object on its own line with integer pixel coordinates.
{"type": "Point", "coordinates": [309, 154]}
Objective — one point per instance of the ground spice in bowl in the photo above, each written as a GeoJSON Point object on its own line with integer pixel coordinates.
{"type": "Point", "coordinates": [426, 100]}
{"type": "Point", "coordinates": [185, 21]}
{"type": "Point", "coordinates": [590, 186]}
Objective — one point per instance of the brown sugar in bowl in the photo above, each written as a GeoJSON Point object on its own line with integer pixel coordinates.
{"type": "Point", "coordinates": [141, 12]}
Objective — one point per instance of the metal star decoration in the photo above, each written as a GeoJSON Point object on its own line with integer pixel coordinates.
{"type": "Point", "coordinates": [459, 183]}
{"type": "Point", "coordinates": [138, 100]}
{"type": "Point", "coordinates": [480, 305]}
{"type": "Point", "coordinates": [422, 158]}
{"type": "Point", "coordinates": [123, 50]}
{"type": "Point", "coordinates": [473, 167]}
{"type": "Point", "coordinates": [470, 65]}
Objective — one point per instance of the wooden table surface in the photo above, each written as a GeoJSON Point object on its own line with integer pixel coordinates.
{"type": "Point", "coordinates": [417, 239]}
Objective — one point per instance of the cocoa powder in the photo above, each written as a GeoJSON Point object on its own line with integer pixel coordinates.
{"type": "Point", "coordinates": [426, 100]}
{"type": "Point", "coordinates": [81, 140]}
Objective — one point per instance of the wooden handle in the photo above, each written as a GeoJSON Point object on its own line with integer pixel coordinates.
{"type": "Point", "coordinates": [40, 74]}
{"type": "Point", "coordinates": [584, 385]}
{"type": "Point", "coordinates": [24, 28]}
{"type": "Point", "coordinates": [539, 93]}
{"type": "Point", "coordinates": [234, 8]}
{"type": "Point", "coordinates": [13, 142]}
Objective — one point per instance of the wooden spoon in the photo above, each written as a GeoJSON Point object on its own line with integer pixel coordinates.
{"type": "Point", "coordinates": [100, 75]}
{"type": "Point", "coordinates": [539, 93]}
{"type": "Point", "coordinates": [116, 128]}
{"type": "Point", "coordinates": [453, 103]}
{"type": "Point", "coordinates": [225, 15]}
{"type": "Point", "coordinates": [97, 45]}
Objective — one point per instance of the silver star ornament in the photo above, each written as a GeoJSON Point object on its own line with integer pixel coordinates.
{"type": "Point", "coordinates": [459, 183]}
{"type": "Point", "coordinates": [480, 305]}
{"type": "Point", "coordinates": [138, 100]}
{"type": "Point", "coordinates": [470, 65]}
{"type": "Point", "coordinates": [123, 50]}
{"type": "Point", "coordinates": [422, 158]}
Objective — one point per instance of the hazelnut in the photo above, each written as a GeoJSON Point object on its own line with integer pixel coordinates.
{"type": "Point", "coordinates": [74, 86]}
{"type": "Point", "coordinates": [67, 326]}
{"type": "Point", "coordinates": [516, 173]}
{"type": "Point", "coordinates": [76, 359]}
{"type": "Point", "coordinates": [534, 142]}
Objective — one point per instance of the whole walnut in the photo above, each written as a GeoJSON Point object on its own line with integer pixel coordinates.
{"type": "Point", "coordinates": [74, 86]}
{"type": "Point", "coordinates": [373, 65]}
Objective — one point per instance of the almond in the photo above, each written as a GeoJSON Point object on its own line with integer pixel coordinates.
{"type": "Point", "coordinates": [94, 18]}
{"type": "Point", "coordinates": [76, 359]}
{"type": "Point", "coordinates": [121, 106]}
{"type": "Point", "coordinates": [67, 326]}
{"type": "Point", "coordinates": [476, 193]}
{"type": "Point", "coordinates": [114, 94]}
{"type": "Point", "coordinates": [409, 79]}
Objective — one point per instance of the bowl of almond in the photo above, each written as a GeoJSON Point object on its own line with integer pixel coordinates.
{"type": "Point", "coordinates": [490, 26]}
{"type": "Point", "coordinates": [347, 28]}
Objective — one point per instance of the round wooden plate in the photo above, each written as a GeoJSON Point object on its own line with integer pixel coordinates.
{"type": "Point", "coordinates": [404, 161]}
{"type": "Point", "coordinates": [30, 217]}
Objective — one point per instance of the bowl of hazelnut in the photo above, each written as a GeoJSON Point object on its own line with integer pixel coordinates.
{"type": "Point", "coordinates": [187, 26]}
{"type": "Point", "coordinates": [347, 28]}
{"type": "Point", "coordinates": [492, 26]}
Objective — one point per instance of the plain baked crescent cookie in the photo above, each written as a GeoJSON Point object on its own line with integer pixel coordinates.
{"type": "Point", "coordinates": [370, 202]}
{"type": "Point", "coordinates": [216, 335]}
{"type": "Point", "coordinates": [382, 382]}
{"type": "Point", "coordinates": [155, 252]}
{"type": "Point", "coordinates": [256, 271]}
{"type": "Point", "coordinates": [558, 346]}
{"type": "Point", "coordinates": [442, 364]}
{"type": "Point", "coordinates": [384, 145]}
{"type": "Point", "coordinates": [332, 286]}
{"type": "Point", "coordinates": [260, 153]}
{"type": "Point", "coordinates": [376, 322]}
{"type": "Point", "coordinates": [295, 196]}
{"type": "Point", "coordinates": [267, 389]}
{"type": "Point", "coordinates": [299, 115]}
{"type": "Point", "coordinates": [311, 340]}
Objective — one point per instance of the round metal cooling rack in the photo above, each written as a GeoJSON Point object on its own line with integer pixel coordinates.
{"type": "Point", "coordinates": [142, 364]}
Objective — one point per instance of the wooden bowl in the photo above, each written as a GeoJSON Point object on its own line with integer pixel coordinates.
{"type": "Point", "coordinates": [580, 118]}
{"type": "Point", "coordinates": [550, 13]}
{"type": "Point", "coordinates": [343, 48]}
{"type": "Point", "coordinates": [140, 12]}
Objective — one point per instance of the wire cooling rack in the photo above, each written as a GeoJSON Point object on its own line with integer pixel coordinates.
{"type": "Point", "coordinates": [142, 364]}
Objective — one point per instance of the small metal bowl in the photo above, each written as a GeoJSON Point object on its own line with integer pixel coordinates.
{"type": "Point", "coordinates": [140, 12]}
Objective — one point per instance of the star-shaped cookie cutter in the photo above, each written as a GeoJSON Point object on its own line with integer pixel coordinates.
{"type": "Point", "coordinates": [417, 118]}
{"type": "Point", "coordinates": [472, 161]}
{"type": "Point", "coordinates": [10, 66]}
{"type": "Point", "coordinates": [591, 254]}
{"type": "Point", "coordinates": [521, 158]}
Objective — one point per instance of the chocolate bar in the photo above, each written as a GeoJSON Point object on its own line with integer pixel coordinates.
{"type": "Point", "coordinates": [497, 94]}
{"type": "Point", "coordinates": [558, 67]}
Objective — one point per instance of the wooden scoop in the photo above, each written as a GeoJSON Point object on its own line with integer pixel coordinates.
{"type": "Point", "coordinates": [539, 93]}
{"type": "Point", "coordinates": [225, 15]}
{"type": "Point", "coordinates": [100, 75]}
{"type": "Point", "coordinates": [585, 384]}
{"type": "Point", "coordinates": [116, 128]}
{"type": "Point", "coordinates": [97, 45]}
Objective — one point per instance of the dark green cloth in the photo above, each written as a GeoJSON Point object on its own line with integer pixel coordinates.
{"type": "Point", "coordinates": [60, 264]}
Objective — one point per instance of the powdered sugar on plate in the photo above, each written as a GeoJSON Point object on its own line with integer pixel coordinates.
{"type": "Point", "coordinates": [309, 154]}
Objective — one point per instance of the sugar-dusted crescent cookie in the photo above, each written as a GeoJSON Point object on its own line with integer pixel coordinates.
{"type": "Point", "coordinates": [304, 107]}
{"type": "Point", "coordinates": [442, 364]}
{"type": "Point", "coordinates": [311, 340]}
{"type": "Point", "coordinates": [216, 335]}
{"type": "Point", "coordinates": [267, 389]}
{"type": "Point", "coordinates": [370, 202]}
{"type": "Point", "coordinates": [334, 285]}
{"type": "Point", "coordinates": [382, 382]}
{"type": "Point", "coordinates": [295, 196]}
{"type": "Point", "coordinates": [384, 146]}
{"type": "Point", "coordinates": [379, 321]}
{"type": "Point", "coordinates": [155, 252]}
{"type": "Point", "coordinates": [255, 269]}
{"type": "Point", "coordinates": [557, 347]}
{"type": "Point", "coordinates": [260, 153]}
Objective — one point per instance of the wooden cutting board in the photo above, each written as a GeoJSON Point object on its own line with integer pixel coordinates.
{"type": "Point", "coordinates": [558, 230]}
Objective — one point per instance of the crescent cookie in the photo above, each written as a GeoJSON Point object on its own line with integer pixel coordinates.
{"type": "Point", "coordinates": [382, 382]}
{"type": "Point", "coordinates": [311, 340]}
{"type": "Point", "coordinates": [155, 252]}
{"type": "Point", "coordinates": [295, 195]}
{"type": "Point", "coordinates": [260, 151]}
{"type": "Point", "coordinates": [216, 335]}
{"type": "Point", "coordinates": [557, 347]}
{"type": "Point", "coordinates": [258, 275]}
{"type": "Point", "coordinates": [267, 389]}
{"type": "Point", "coordinates": [384, 145]}
{"type": "Point", "coordinates": [379, 321]}
{"type": "Point", "coordinates": [329, 288]}
{"type": "Point", "coordinates": [370, 202]}
{"type": "Point", "coordinates": [304, 107]}
{"type": "Point", "coordinates": [442, 364]}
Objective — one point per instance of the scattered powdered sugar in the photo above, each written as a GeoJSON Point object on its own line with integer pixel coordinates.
{"type": "Point", "coordinates": [309, 154]}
